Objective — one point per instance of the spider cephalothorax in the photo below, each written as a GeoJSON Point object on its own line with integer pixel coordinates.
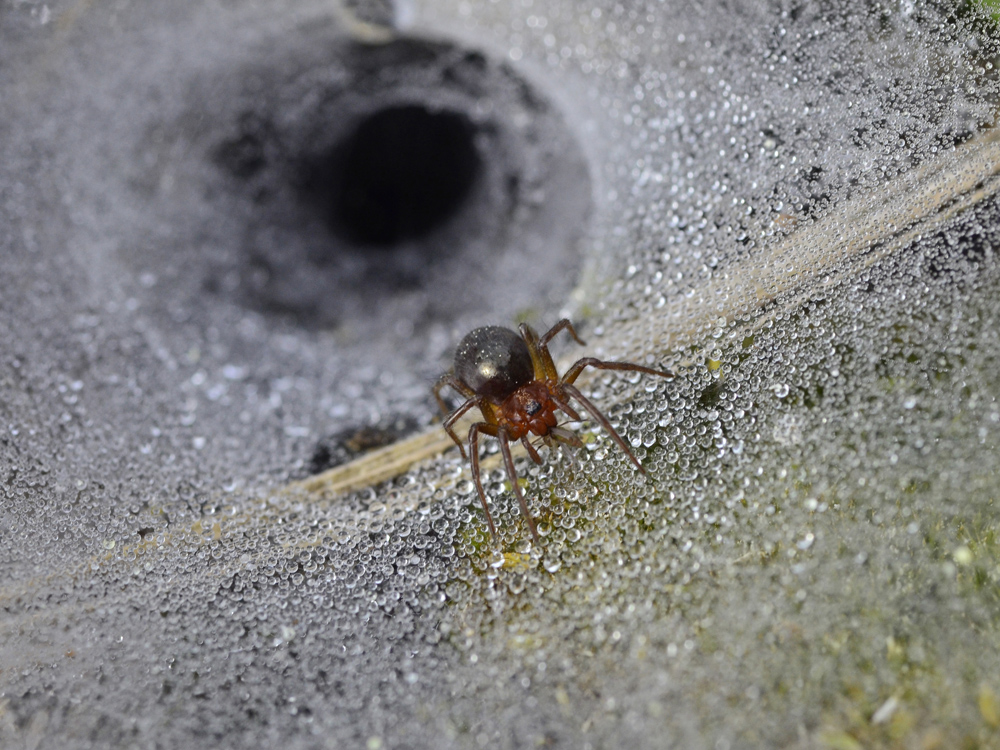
{"type": "Point", "coordinates": [513, 381]}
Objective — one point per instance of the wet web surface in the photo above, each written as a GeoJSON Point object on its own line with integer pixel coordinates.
{"type": "Point", "coordinates": [815, 559]}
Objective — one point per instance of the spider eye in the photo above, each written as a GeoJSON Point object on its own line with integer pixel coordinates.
{"type": "Point", "coordinates": [533, 408]}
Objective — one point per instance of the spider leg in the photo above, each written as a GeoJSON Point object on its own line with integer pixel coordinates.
{"type": "Point", "coordinates": [565, 407]}
{"type": "Point", "coordinates": [449, 380]}
{"type": "Point", "coordinates": [541, 360]}
{"type": "Point", "coordinates": [602, 420]}
{"type": "Point", "coordinates": [561, 435]}
{"type": "Point", "coordinates": [565, 436]}
{"type": "Point", "coordinates": [512, 475]}
{"type": "Point", "coordinates": [551, 333]}
{"type": "Point", "coordinates": [449, 423]}
{"type": "Point", "coordinates": [531, 450]}
{"type": "Point", "coordinates": [574, 372]}
{"type": "Point", "coordinates": [474, 431]}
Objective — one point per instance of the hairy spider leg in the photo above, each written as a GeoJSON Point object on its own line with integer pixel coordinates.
{"type": "Point", "coordinates": [456, 415]}
{"type": "Point", "coordinates": [550, 334]}
{"type": "Point", "coordinates": [512, 475]}
{"type": "Point", "coordinates": [565, 436]}
{"type": "Point", "coordinates": [448, 380]}
{"type": "Point", "coordinates": [474, 430]}
{"type": "Point", "coordinates": [564, 406]}
{"type": "Point", "coordinates": [573, 391]}
{"type": "Point", "coordinates": [540, 354]}
{"type": "Point", "coordinates": [532, 452]}
{"type": "Point", "coordinates": [567, 387]}
{"type": "Point", "coordinates": [561, 435]}
{"type": "Point", "coordinates": [599, 364]}
{"type": "Point", "coordinates": [500, 434]}
{"type": "Point", "coordinates": [541, 360]}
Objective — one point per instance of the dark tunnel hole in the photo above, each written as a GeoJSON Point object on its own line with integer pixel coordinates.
{"type": "Point", "coordinates": [401, 174]}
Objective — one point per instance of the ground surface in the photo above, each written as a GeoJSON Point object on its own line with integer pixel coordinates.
{"type": "Point", "coordinates": [791, 206]}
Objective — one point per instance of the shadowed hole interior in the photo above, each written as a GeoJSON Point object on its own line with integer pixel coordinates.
{"type": "Point", "coordinates": [402, 173]}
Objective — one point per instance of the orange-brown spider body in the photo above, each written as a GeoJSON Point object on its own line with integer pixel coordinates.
{"type": "Point", "coordinates": [513, 381]}
{"type": "Point", "coordinates": [529, 409]}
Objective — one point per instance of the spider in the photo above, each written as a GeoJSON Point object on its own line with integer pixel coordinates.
{"type": "Point", "coordinates": [513, 381]}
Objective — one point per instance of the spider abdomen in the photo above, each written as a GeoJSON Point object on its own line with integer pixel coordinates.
{"type": "Point", "coordinates": [493, 361]}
